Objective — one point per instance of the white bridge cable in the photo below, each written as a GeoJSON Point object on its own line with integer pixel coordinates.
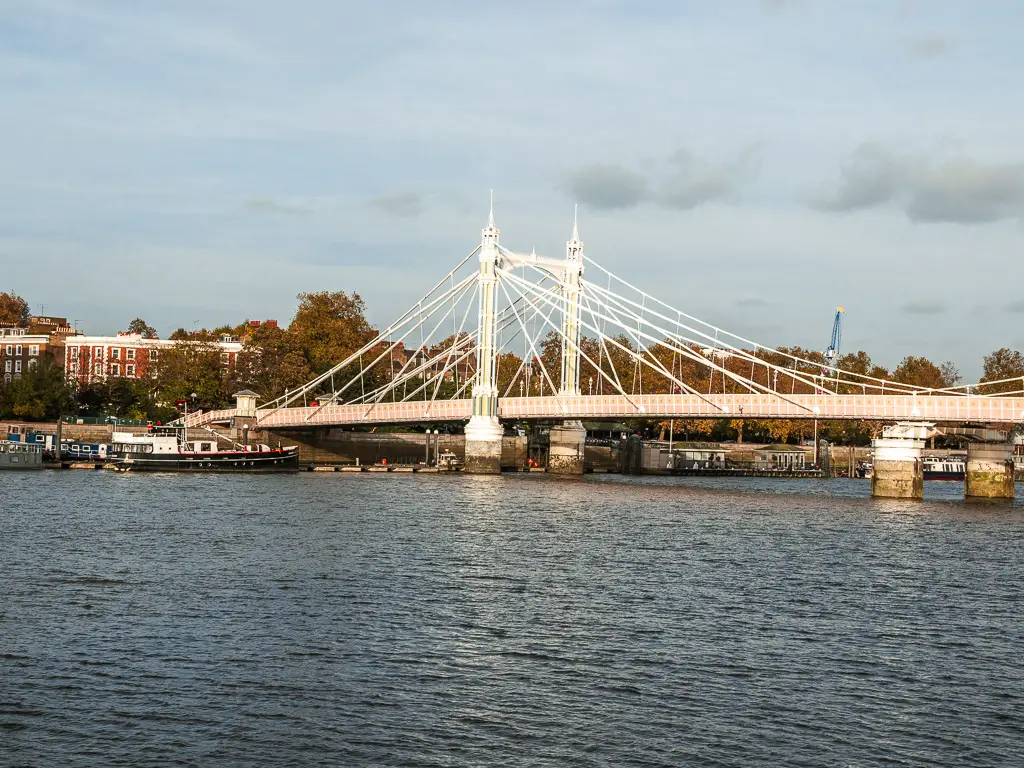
{"type": "Point", "coordinates": [289, 397]}
{"type": "Point", "coordinates": [467, 289]}
{"type": "Point", "coordinates": [533, 346]}
{"type": "Point", "coordinates": [552, 298]}
{"type": "Point", "coordinates": [684, 350]}
{"type": "Point", "coordinates": [611, 363]}
{"type": "Point", "coordinates": [792, 373]}
{"type": "Point", "coordinates": [464, 287]}
{"type": "Point", "coordinates": [524, 285]}
{"type": "Point", "coordinates": [756, 345]}
{"type": "Point", "coordinates": [731, 349]}
{"type": "Point", "coordinates": [463, 344]}
{"type": "Point", "coordinates": [660, 369]}
{"type": "Point", "coordinates": [638, 335]}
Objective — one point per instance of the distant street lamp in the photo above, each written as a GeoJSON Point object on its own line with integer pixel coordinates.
{"type": "Point", "coordinates": [590, 381]}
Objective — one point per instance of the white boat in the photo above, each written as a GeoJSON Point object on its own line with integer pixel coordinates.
{"type": "Point", "coordinates": [944, 467]}
{"type": "Point", "coordinates": [16, 455]}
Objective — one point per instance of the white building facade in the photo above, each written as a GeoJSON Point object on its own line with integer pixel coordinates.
{"type": "Point", "coordinates": [90, 359]}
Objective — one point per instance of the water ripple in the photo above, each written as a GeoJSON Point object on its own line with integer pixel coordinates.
{"type": "Point", "coordinates": [346, 620]}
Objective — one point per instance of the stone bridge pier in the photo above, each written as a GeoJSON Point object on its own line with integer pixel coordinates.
{"type": "Point", "coordinates": [566, 448]}
{"type": "Point", "coordinates": [989, 471]}
{"type": "Point", "coordinates": [898, 471]}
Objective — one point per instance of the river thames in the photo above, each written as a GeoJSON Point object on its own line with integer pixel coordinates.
{"type": "Point", "coordinates": [414, 620]}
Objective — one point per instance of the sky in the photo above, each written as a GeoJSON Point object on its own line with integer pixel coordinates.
{"type": "Point", "coordinates": [754, 163]}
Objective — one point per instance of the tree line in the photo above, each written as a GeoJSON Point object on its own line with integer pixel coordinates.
{"type": "Point", "coordinates": [329, 326]}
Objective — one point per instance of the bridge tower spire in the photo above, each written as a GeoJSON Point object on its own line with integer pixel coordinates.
{"type": "Point", "coordinates": [570, 383]}
{"type": "Point", "coordinates": [567, 440]}
{"type": "Point", "coordinates": [483, 433]}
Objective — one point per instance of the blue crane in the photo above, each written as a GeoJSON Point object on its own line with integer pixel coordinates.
{"type": "Point", "coordinates": [832, 352]}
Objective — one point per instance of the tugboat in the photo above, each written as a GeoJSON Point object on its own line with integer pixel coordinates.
{"type": "Point", "coordinates": [949, 468]}
{"type": "Point", "coordinates": [169, 449]}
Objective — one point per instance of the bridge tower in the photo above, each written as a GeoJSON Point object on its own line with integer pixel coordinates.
{"type": "Point", "coordinates": [567, 440]}
{"type": "Point", "coordinates": [483, 432]}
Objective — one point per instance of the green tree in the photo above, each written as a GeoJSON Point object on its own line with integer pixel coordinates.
{"type": "Point", "coordinates": [1003, 364]}
{"type": "Point", "coordinates": [192, 367]}
{"type": "Point", "coordinates": [140, 326]}
{"type": "Point", "coordinates": [179, 335]}
{"type": "Point", "coordinates": [13, 309]}
{"type": "Point", "coordinates": [40, 393]}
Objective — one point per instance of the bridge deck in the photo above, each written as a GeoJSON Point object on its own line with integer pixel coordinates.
{"type": "Point", "coordinates": [886, 408]}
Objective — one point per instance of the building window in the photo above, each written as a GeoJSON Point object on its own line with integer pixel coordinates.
{"type": "Point", "coordinates": [17, 349]}
{"type": "Point", "coordinates": [115, 369]}
{"type": "Point", "coordinates": [7, 365]}
{"type": "Point", "coordinates": [32, 364]}
{"type": "Point", "coordinates": [115, 354]}
{"type": "Point", "coordinates": [33, 350]}
{"type": "Point", "coordinates": [10, 349]}
{"type": "Point", "coordinates": [130, 354]}
{"type": "Point", "coordinates": [97, 352]}
{"type": "Point", "coordinates": [74, 368]}
{"type": "Point", "coordinates": [153, 354]}
{"type": "Point", "coordinates": [17, 366]}
{"type": "Point", "coordinates": [97, 369]}
{"type": "Point", "coordinates": [129, 370]}
{"type": "Point", "coordinates": [7, 378]}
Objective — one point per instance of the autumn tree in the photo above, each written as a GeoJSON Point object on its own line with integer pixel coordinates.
{"type": "Point", "coordinates": [271, 362]}
{"type": "Point", "coordinates": [141, 327]}
{"type": "Point", "coordinates": [329, 326]}
{"type": "Point", "coordinates": [922, 372]}
{"type": "Point", "coordinates": [1000, 365]}
{"type": "Point", "coordinates": [13, 309]}
{"type": "Point", "coordinates": [179, 335]}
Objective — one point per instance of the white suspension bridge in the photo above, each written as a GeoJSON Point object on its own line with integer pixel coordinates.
{"type": "Point", "coordinates": [541, 316]}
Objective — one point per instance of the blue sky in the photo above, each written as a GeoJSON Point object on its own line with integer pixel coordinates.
{"type": "Point", "coordinates": [752, 163]}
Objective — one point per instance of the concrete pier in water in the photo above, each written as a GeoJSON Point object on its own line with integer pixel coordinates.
{"type": "Point", "coordinates": [483, 446]}
{"type": "Point", "coordinates": [989, 472]}
{"type": "Point", "coordinates": [898, 470]}
{"type": "Point", "coordinates": [566, 448]}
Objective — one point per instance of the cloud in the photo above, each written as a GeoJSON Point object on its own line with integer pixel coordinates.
{"type": "Point", "coordinates": [682, 182]}
{"type": "Point", "coordinates": [608, 187]}
{"type": "Point", "coordinates": [266, 205]}
{"type": "Point", "coordinates": [405, 205]}
{"type": "Point", "coordinates": [1016, 306]}
{"type": "Point", "coordinates": [752, 302]}
{"type": "Point", "coordinates": [928, 47]}
{"type": "Point", "coordinates": [925, 307]}
{"type": "Point", "coordinates": [695, 181]}
{"type": "Point", "coordinates": [957, 190]}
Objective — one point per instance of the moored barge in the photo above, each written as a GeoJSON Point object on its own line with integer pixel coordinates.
{"type": "Point", "coordinates": [169, 449]}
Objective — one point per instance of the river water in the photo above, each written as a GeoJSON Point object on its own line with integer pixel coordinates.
{"type": "Point", "coordinates": [400, 620]}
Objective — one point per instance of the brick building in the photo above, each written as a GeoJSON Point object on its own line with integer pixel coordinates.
{"type": "Point", "coordinates": [21, 350]}
{"type": "Point", "coordinates": [128, 355]}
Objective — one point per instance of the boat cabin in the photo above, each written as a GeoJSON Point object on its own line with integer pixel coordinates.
{"type": "Point", "coordinates": [780, 457]}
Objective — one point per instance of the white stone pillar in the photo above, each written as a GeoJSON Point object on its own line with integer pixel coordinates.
{"type": "Point", "coordinates": [567, 441]}
{"type": "Point", "coordinates": [483, 432]}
